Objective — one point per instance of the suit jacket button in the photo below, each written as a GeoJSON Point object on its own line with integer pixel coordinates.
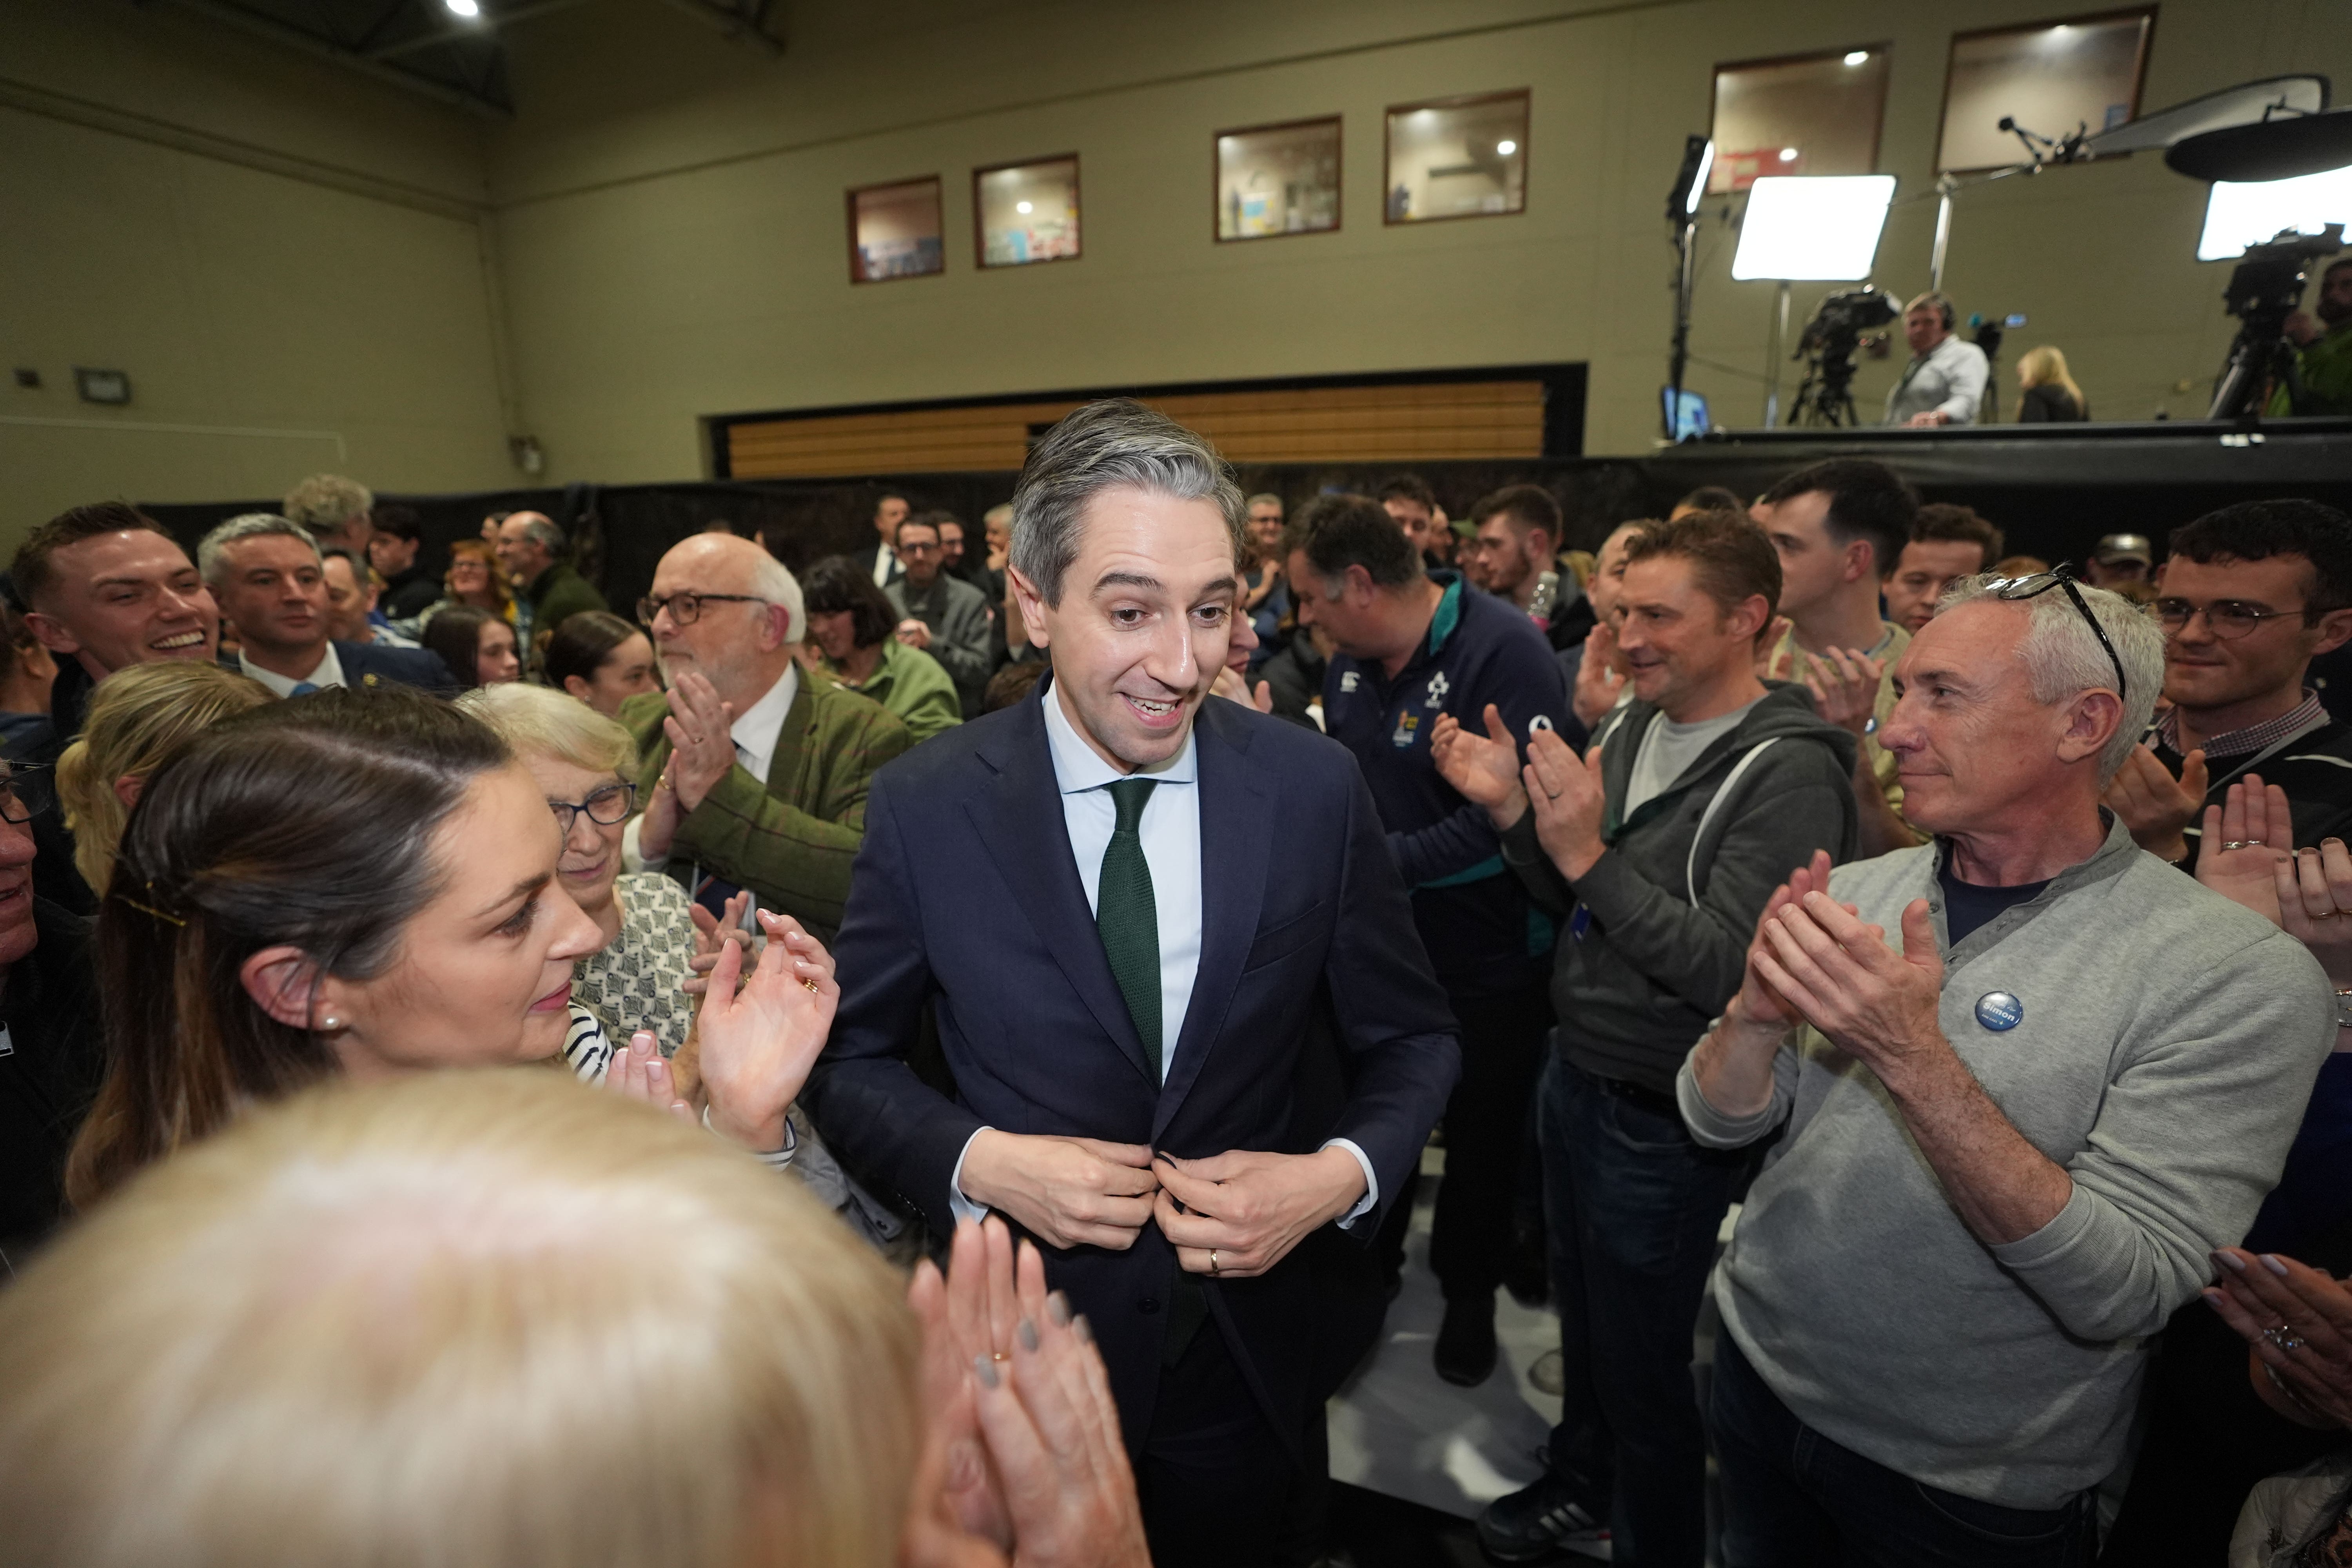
{"type": "Point", "coordinates": [1148, 1305]}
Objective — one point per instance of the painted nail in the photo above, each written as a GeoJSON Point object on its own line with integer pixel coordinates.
{"type": "Point", "coordinates": [1084, 1330]}
{"type": "Point", "coordinates": [1057, 1307]}
{"type": "Point", "coordinates": [2274, 1264]}
{"type": "Point", "coordinates": [2212, 1297]}
{"type": "Point", "coordinates": [1026, 1332]}
{"type": "Point", "coordinates": [2231, 1261]}
{"type": "Point", "coordinates": [985, 1370]}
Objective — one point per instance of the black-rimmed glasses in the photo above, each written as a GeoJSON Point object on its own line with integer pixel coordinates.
{"type": "Point", "coordinates": [607, 807]}
{"type": "Point", "coordinates": [2225, 618]}
{"type": "Point", "coordinates": [26, 791]}
{"type": "Point", "coordinates": [685, 609]}
{"type": "Point", "coordinates": [2042, 583]}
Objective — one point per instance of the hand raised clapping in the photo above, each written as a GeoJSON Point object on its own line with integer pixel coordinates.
{"type": "Point", "coordinates": [758, 1040]}
{"type": "Point", "coordinates": [1569, 800]}
{"type": "Point", "coordinates": [1483, 770]}
{"type": "Point", "coordinates": [1877, 1004]}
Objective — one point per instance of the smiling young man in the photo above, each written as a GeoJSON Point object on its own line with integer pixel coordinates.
{"type": "Point", "coordinates": [269, 579]}
{"type": "Point", "coordinates": [1948, 543]}
{"type": "Point", "coordinates": [1143, 923]}
{"type": "Point", "coordinates": [2250, 595]}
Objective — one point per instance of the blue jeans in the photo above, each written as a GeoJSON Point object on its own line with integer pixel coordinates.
{"type": "Point", "coordinates": [1792, 1499]}
{"type": "Point", "coordinates": [1632, 1206]}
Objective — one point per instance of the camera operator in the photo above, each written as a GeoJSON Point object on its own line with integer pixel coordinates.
{"type": "Point", "coordinates": [2323, 358]}
{"type": "Point", "coordinates": [1945, 382]}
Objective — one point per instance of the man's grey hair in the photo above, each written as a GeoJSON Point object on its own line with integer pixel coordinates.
{"type": "Point", "coordinates": [324, 502]}
{"type": "Point", "coordinates": [2062, 657]}
{"type": "Point", "coordinates": [774, 582]}
{"type": "Point", "coordinates": [539, 530]}
{"type": "Point", "coordinates": [1116, 444]}
{"type": "Point", "coordinates": [251, 525]}
{"type": "Point", "coordinates": [1266, 498]}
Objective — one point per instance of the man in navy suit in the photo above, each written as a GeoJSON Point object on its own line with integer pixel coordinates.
{"type": "Point", "coordinates": [265, 573]}
{"type": "Point", "coordinates": [1143, 924]}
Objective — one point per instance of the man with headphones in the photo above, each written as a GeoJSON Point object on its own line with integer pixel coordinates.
{"type": "Point", "coordinates": [1945, 382]}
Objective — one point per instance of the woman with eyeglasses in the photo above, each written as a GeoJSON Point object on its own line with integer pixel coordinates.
{"type": "Point", "coordinates": [583, 762]}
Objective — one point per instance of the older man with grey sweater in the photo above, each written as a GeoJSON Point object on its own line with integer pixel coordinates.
{"type": "Point", "coordinates": [2008, 1142]}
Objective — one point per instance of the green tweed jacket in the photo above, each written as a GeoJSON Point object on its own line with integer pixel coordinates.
{"type": "Point", "coordinates": [789, 839]}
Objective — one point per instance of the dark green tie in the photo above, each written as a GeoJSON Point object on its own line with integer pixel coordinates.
{"type": "Point", "coordinates": [1128, 920]}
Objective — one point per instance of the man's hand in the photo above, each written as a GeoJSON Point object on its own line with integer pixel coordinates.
{"type": "Point", "coordinates": [1484, 772]}
{"type": "Point", "coordinates": [1569, 801]}
{"type": "Point", "coordinates": [1071, 1192]}
{"type": "Point", "coordinates": [913, 633]}
{"type": "Point", "coordinates": [1598, 678]}
{"type": "Point", "coordinates": [1871, 1002]}
{"type": "Point", "coordinates": [2315, 894]}
{"type": "Point", "coordinates": [1249, 1209]}
{"type": "Point", "coordinates": [1733, 1065]}
{"type": "Point", "coordinates": [701, 731]}
{"type": "Point", "coordinates": [2259, 819]}
{"type": "Point", "coordinates": [1844, 683]}
{"type": "Point", "coordinates": [1931, 418]}
{"type": "Point", "coordinates": [2154, 805]}
{"type": "Point", "coordinates": [1757, 1003]}
{"type": "Point", "coordinates": [1234, 686]}
{"type": "Point", "coordinates": [1776, 653]}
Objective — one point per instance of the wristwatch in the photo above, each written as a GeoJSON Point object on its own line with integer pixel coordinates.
{"type": "Point", "coordinates": [2344, 1009]}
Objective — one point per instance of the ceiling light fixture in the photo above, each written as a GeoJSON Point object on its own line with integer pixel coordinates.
{"type": "Point", "coordinates": [1506, 148]}
{"type": "Point", "coordinates": [1021, 208]}
{"type": "Point", "coordinates": [1857, 56]}
{"type": "Point", "coordinates": [1788, 154]}
{"type": "Point", "coordinates": [470, 9]}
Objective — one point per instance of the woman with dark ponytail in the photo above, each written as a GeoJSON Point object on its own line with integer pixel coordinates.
{"type": "Point", "coordinates": [364, 883]}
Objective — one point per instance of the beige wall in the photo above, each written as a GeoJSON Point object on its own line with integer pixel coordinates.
{"type": "Point", "coordinates": [673, 245]}
{"type": "Point", "coordinates": [284, 258]}
{"type": "Point", "coordinates": [273, 245]}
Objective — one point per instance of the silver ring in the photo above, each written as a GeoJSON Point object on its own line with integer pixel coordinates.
{"type": "Point", "coordinates": [2283, 1339]}
{"type": "Point", "coordinates": [2244, 844]}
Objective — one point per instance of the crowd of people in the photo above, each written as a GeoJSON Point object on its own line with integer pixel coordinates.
{"type": "Point", "coordinates": [954, 1032]}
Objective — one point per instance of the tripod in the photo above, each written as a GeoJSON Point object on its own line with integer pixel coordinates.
{"type": "Point", "coordinates": [2263, 291]}
{"type": "Point", "coordinates": [1826, 396]}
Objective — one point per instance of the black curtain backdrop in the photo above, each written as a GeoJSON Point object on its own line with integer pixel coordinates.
{"type": "Point", "coordinates": [2054, 490]}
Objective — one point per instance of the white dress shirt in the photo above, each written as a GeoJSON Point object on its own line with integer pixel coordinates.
{"type": "Point", "coordinates": [328, 673]}
{"type": "Point", "coordinates": [755, 733]}
{"type": "Point", "coordinates": [1170, 832]}
{"type": "Point", "coordinates": [886, 560]}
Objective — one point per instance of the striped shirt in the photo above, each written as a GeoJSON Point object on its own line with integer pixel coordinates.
{"type": "Point", "coordinates": [2291, 725]}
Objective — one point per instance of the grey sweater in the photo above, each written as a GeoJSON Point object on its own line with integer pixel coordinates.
{"type": "Point", "coordinates": [2169, 1042]}
{"type": "Point", "coordinates": [1672, 902]}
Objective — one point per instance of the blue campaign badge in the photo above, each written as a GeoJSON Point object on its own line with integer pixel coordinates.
{"type": "Point", "coordinates": [2000, 1012]}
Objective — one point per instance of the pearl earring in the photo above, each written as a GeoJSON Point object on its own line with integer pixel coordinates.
{"type": "Point", "coordinates": [334, 1022]}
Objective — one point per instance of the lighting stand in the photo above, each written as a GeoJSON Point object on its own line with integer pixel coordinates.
{"type": "Point", "coordinates": [1772, 358]}
{"type": "Point", "coordinates": [1686, 240]}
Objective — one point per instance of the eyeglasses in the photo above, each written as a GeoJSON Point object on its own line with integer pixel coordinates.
{"type": "Point", "coordinates": [607, 807]}
{"type": "Point", "coordinates": [685, 609]}
{"type": "Point", "coordinates": [26, 791]}
{"type": "Point", "coordinates": [2042, 583]}
{"type": "Point", "coordinates": [2225, 618]}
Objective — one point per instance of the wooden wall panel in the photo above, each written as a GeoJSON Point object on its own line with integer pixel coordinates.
{"type": "Point", "coordinates": [1407, 423]}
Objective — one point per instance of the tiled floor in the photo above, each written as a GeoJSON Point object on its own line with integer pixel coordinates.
{"type": "Point", "coordinates": [1399, 1430]}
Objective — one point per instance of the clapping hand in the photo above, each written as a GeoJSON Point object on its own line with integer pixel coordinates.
{"type": "Point", "coordinates": [1757, 1002]}
{"type": "Point", "coordinates": [1569, 800]}
{"type": "Point", "coordinates": [700, 728]}
{"type": "Point", "coordinates": [2299, 1322]}
{"type": "Point", "coordinates": [638, 1071]}
{"type": "Point", "coordinates": [913, 632]}
{"type": "Point", "coordinates": [759, 1041]}
{"type": "Point", "coordinates": [712, 932]}
{"type": "Point", "coordinates": [2244, 848]}
{"type": "Point", "coordinates": [1599, 681]}
{"type": "Point", "coordinates": [1845, 684]}
{"type": "Point", "coordinates": [2157, 808]}
{"type": "Point", "coordinates": [1023, 1452]}
{"type": "Point", "coordinates": [1875, 1003]}
{"type": "Point", "coordinates": [2315, 897]}
{"type": "Point", "coordinates": [1483, 771]}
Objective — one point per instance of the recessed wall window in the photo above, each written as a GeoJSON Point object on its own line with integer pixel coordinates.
{"type": "Point", "coordinates": [1027, 212]}
{"type": "Point", "coordinates": [1278, 179]}
{"type": "Point", "coordinates": [895, 231]}
{"type": "Point", "coordinates": [2054, 78]}
{"type": "Point", "coordinates": [1804, 114]}
{"type": "Point", "coordinates": [1458, 157]}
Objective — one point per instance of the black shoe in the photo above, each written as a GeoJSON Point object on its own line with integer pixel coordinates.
{"type": "Point", "coordinates": [1466, 1344]}
{"type": "Point", "coordinates": [1533, 1522]}
{"type": "Point", "coordinates": [1528, 1277]}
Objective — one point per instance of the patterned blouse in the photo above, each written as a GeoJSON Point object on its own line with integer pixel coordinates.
{"type": "Point", "coordinates": [634, 983]}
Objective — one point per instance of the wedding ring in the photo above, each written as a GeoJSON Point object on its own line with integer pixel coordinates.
{"type": "Point", "coordinates": [2243, 843]}
{"type": "Point", "coordinates": [811, 985]}
{"type": "Point", "coordinates": [1213, 1260]}
{"type": "Point", "coordinates": [2283, 1338]}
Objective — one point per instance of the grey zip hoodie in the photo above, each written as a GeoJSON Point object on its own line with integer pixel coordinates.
{"type": "Point", "coordinates": [2162, 1042]}
{"type": "Point", "coordinates": [1670, 907]}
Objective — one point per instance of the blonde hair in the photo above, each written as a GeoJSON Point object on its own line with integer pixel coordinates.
{"type": "Point", "coordinates": [139, 715]}
{"type": "Point", "coordinates": [324, 502]}
{"type": "Point", "coordinates": [2046, 366]}
{"type": "Point", "coordinates": [476, 550]}
{"type": "Point", "coordinates": [489, 1317]}
{"type": "Point", "coordinates": [537, 721]}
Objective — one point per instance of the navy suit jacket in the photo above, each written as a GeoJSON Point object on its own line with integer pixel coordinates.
{"type": "Point", "coordinates": [368, 664]}
{"type": "Point", "coordinates": [966, 896]}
